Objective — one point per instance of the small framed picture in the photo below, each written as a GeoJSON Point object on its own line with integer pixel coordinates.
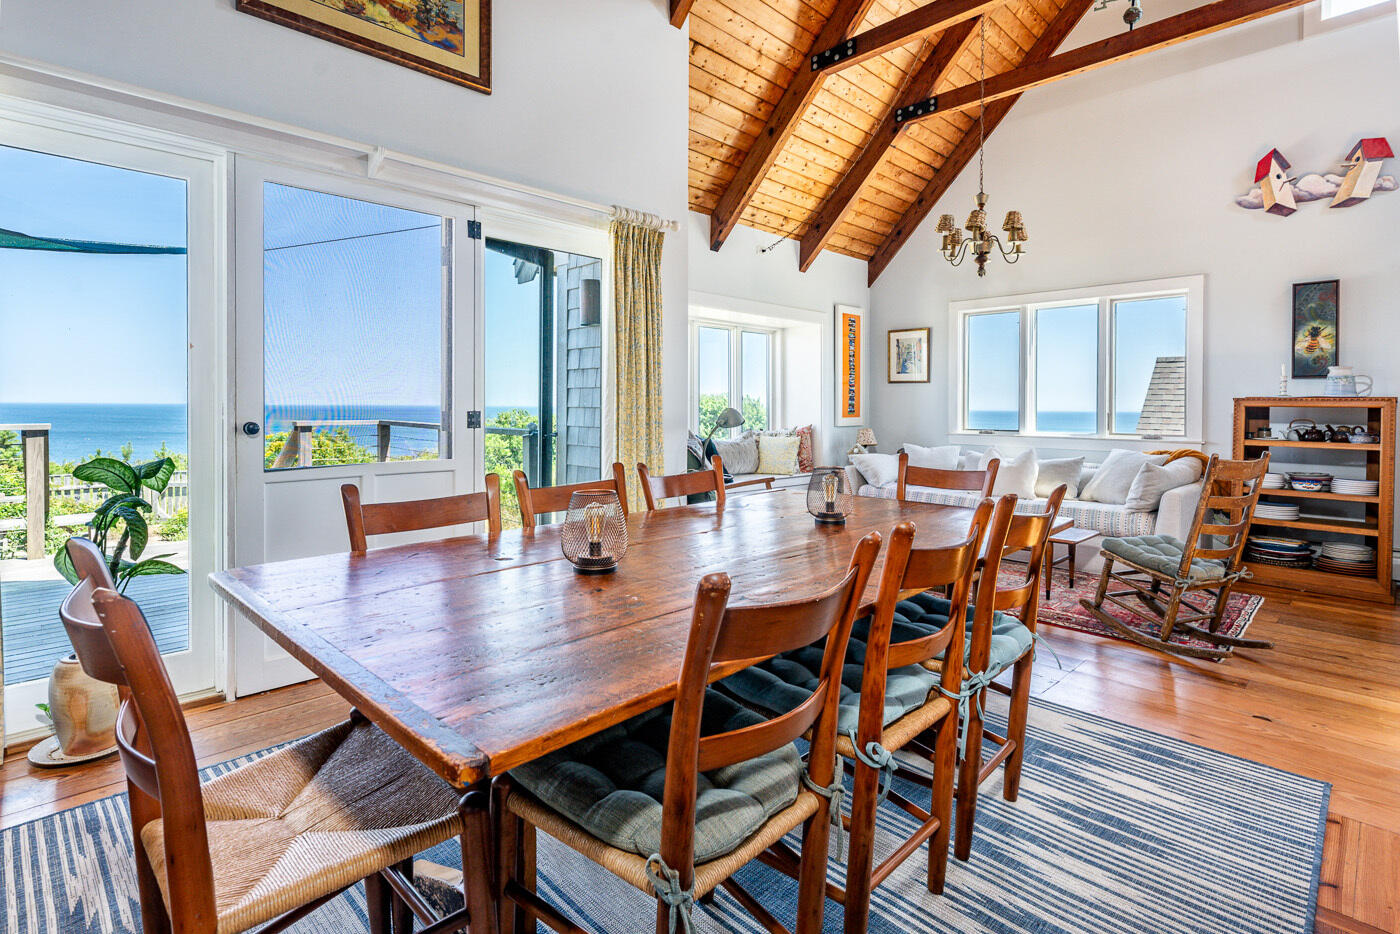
{"type": "Point", "coordinates": [1315, 327]}
{"type": "Point", "coordinates": [908, 356]}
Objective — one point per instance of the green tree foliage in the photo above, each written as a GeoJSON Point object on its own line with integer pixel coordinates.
{"type": "Point", "coordinates": [711, 404]}
{"type": "Point", "coordinates": [505, 454]}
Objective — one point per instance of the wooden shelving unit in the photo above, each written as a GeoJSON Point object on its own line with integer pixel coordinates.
{"type": "Point", "coordinates": [1369, 519]}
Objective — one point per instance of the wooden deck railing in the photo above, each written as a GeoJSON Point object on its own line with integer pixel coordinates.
{"type": "Point", "coordinates": [34, 439]}
{"type": "Point", "coordinates": [297, 449]}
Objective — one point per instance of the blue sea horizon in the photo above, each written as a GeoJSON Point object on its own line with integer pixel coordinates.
{"type": "Point", "coordinates": [1061, 422]}
{"type": "Point", "coordinates": [80, 430]}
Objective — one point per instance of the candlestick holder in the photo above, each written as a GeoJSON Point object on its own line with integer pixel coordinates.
{"type": "Point", "coordinates": [828, 497]}
{"type": "Point", "coordinates": [594, 537]}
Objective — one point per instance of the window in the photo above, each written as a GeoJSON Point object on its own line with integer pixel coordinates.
{"type": "Point", "coordinates": [732, 366]}
{"type": "Point", "coordinates": [1119, 361]}
{"type": "Point", "coordinates": [1334, 8]}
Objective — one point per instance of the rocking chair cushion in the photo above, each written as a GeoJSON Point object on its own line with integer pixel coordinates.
{"type": "Point", "coordinates": [1161, 554]}
{"type": "Point", "coordinates": [611, 783]}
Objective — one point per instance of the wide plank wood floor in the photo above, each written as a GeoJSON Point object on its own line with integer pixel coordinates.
{"type": "Point", "coordinates": [1325, 703]}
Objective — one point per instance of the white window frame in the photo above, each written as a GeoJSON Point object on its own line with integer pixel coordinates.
{"type": "Point", "coordinates": [1191, 287]}
{"type": "Point", "coordinates": [736, 367]}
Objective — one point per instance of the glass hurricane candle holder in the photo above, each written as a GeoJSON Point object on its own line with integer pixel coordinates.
{"type": "Point", "coordinates": [828, 499]}
{"type": "Point", "coordinates": [595, 532]}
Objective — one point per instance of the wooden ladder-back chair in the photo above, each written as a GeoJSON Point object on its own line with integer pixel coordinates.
{"type": "Point", "coordinates": [210, 857]}
{"type": "Point", "coordinates": [1002, 636]}
{"type": "Point", "coordinates": [363, 520]}
{"type": "Point", "coordinates": [703, 733]}
{"type": "Point", "coordinates": [542, 500]}
{"type": "Point", "coordinates": [980, 481]}
{"type": "Point", "coordinates": [683, 484]}
{"type": "Point", "coordinates": [1162, 573]}
{"type": "Point", "coordinates": [895, 705]}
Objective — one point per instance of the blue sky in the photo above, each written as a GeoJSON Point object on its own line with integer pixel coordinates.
{"type": "Point", "coordinates": [90, 328]}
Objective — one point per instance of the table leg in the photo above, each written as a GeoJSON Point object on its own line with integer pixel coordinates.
{"type": "Point", "coordinates": [1049, 563]}
{"type": "Point", "coordinates": [1072, 549]}
{"type": "Point", "coordinates": [479, 860]}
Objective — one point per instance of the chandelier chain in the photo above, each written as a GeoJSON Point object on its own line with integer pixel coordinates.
{"type": "Point", "coordinates": [982, 107]}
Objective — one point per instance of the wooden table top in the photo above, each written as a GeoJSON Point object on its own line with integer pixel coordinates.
{"type": "Point", "coordinates": [479, 654]}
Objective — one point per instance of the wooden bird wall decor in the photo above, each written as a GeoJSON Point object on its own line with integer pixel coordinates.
{"type": "Point", "coordinates": [1275, 192]}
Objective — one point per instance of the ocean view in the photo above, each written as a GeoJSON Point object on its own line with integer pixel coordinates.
{"type": "Point", "coordinates": [80, 430]}
{"type": "Point", "coordinates": [1066, 422]}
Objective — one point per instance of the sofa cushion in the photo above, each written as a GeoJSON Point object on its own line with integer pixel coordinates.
{"type": "Point", "coordinates": [611, 783]}
{"type": "Point", "coordinates": [1114, 478]}
{"type": "Point", "coordinates": [1152, 482]}
{"type": "Point", "coordinates": [1051, 473]}
{"type": "Point", "coordinates": [878, 469]}
{"type": "Point", "coordinates": [936, 458]}
{"type": "Point", "coordinates": [1162, 553]}
{"type": "Point", "coordinates": [1104, 518]}
{"type": "Point", "coordinates": [1015, 474]}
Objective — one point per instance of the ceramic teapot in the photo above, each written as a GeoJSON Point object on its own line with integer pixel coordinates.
{"type": "Point", "coordinates": [1342, 381]}
{"type": "Point", "coordinates": [1304, 429]}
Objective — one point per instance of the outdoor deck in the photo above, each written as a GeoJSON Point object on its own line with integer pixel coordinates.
{"type": "Point", "coordinates": [34, 637]}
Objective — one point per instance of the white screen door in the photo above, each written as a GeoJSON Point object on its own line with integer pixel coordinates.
{"type": "Point", "coordinates": [348, 298]}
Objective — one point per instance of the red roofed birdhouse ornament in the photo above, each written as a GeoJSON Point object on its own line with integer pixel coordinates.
{"type": "Point", "coordinates": [1363, 167]}
{"type": "Point", "coordinates": [1271, 175]}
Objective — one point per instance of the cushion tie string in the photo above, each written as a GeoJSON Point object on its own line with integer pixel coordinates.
{"type": "Point", "coordinates": [974, 683]}
{"type": "Point", "coordinates": [679, 902]}
{"type": "Point", "coordinates": [833, 794]}
{"type": "Point", "coordinates": [1041, 640]}
{"type": "Point", "coordinates": [876, 757]}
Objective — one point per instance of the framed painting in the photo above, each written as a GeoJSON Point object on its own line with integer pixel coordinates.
{"type": "Point", "coordinates": [448, 39]}
{"type": "Point", "coordinates": [1315, 328]}
{"type": "Point", "coordinates": [849, 388]}
{"type": "Point", "coordinates": [907, 356]}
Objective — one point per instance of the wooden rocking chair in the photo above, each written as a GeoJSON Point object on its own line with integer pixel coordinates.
{"type": "Point", "coordinates": [1160, 572]}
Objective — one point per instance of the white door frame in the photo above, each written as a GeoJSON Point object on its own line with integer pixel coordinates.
{"type": "Point", "coordinates": [197, 670]}
{"type": "Point", "coordinates": [254, 663]}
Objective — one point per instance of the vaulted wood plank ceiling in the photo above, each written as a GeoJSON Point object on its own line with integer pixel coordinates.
{"type": "Point", "coordinates": [810, 149]}
{"type": "Point", "coordinates": [744, 53]}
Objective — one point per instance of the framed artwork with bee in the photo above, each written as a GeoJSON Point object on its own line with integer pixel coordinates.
{"type": "Point", "coordinates": [1315, 308]}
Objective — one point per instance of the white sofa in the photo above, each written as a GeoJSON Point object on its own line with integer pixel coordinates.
{"type": "Point", "coordinates": [1173, 516]}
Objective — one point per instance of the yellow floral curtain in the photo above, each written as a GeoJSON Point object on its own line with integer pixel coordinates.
{"type": "Point", "coordinates": [636, 263]}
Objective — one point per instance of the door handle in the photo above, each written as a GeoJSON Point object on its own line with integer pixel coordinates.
{"type": "Point", "coordinates": [251, 429]}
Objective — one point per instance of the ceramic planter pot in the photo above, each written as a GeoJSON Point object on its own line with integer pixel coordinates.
{"type": "Point", "coordinates": [84, 712]}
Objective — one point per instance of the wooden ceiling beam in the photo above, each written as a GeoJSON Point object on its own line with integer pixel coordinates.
{"type": "Point", "coordinates": [922, 85]}
{"type": "Point", "coordinates": [797, 97]}
{"type": "Point", "coordinates": [1200, 21]}
{"type": "Point", "coordinates": [1050, 40]}
{"type": "Point", "coordinates": [680, 9]}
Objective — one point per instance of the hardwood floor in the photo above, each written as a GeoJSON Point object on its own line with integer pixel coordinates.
{"type": "Point", "coordinates": [1325, 702]}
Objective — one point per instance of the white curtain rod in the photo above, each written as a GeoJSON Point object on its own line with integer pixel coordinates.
{"type": "Point", "coordinates": [644, 219]}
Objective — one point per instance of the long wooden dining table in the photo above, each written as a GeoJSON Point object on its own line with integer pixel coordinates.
{"type": "Point", "coordinates": [481, 653]}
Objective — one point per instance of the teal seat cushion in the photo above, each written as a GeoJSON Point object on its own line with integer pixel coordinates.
{"type": "Point", "coordinates": [611, 783]}
{"type": "Point", "coordinates": [1162, 554]}
{"type": "Point", "coordinates": [782, 683]}
{"type": "Point", "coordinates": [927, 613]}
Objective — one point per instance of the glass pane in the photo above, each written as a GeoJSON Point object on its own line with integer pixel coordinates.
{"type": "Point", "coordinates": [757, 352]}
{"type": "Point", "coordinates": [1149, 366]}
{"type": "Point", "coordinates": [94, 313]}
{"type": "Point", "coordinates": [712, 375]}
{"type": "Point", "coordinates": [353, 311]}
{"type": "Point", "coordinates": [994, 371]}
{"type": "Point", "coordinates": [1067, 369]}
{"type": "Point", "coordinates": [544, 376]}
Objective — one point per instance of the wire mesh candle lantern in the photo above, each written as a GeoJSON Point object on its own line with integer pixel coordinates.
{"type": "Point", "coordinates": [595, 532]}
{"type": "Point", "coordinates": [828, 499]}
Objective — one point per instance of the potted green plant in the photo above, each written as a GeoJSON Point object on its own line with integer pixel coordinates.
{"type": "Point", "coordinates": [82, 710]}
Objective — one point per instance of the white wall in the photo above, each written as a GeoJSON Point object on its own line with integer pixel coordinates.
{"type": "Point", "coordinates": [1131, 173]}
{"type": "Point", "coordinates": [750, 279]}
{"type": "Point", "coordinates": [589, 100]}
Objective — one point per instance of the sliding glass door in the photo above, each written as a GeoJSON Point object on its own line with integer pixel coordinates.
{"type": "Point", "coordinates": [108, 301]}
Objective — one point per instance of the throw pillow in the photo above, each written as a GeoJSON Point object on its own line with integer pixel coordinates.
{"type": "Point", "coordinates": [1152, 482]}
{"type": "Point", "coordinates": [804, 448]}
{"type": "Point", "coordinates": [777, 454]}
{"type": "Point", "coordinates": [944, 457]}
{"type": "Point", "coordinates": [1114, 478]}
{"type": "Point", "coordinates": [1051, 473]}
{"type": "Point", "coordinates": [1015, 474]}
{"type": "Point", "coordinates": [877, 469]}
{"type": "Point", "coordinates": [739, 456]}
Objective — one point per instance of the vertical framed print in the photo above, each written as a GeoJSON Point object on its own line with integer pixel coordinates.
{"type": "Point", "coordinates": [1316, 306]}
{"type": "Point", "coordinates": [850, 388]}
{"type": "Point", "coordinates": [907, 358]}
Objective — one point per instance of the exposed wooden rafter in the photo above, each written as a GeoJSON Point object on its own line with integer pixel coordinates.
{"type": "Point", "coordinates": [920, 86]}
{"type": "Point", "coordinates": [1059, 29]}
{"type": "Point", "coordinates": [935, 16]}
{"type": "Point", "coordinates": [680, 9]}
{"type": "Point", "coordinates": [1201, 21]}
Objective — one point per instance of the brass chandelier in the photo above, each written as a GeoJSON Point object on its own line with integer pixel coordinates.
{"type": "Point", "coordinates": [979, 240]}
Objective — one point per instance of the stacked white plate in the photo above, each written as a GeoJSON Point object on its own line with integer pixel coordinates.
{"type": "Point", "coordinates": [1347, 558]}
{"type": "Point", "coordinates": [1356, 487]}
{"type": "Point", "coordinates": [1273, 481]}
{"type": "Point", "coordinates": [1284, 511]}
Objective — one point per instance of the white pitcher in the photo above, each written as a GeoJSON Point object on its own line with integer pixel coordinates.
{"type": "Point", "coordinates": [1341, 381]}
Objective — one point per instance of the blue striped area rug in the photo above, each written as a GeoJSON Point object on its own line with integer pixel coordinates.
{"type": "Point", "coordinates": [1116, 830]}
